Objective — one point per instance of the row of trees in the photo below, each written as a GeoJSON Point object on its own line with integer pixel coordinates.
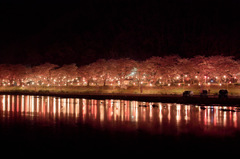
{"type": "Point", "coordinates": [166, 70]}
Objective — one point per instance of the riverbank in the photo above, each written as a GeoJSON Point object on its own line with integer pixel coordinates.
{"type": "Point", "coordinates": [212, 99]}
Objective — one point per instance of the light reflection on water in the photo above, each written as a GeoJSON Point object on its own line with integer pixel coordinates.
{"type": "Point", "coordinates": [121, 114]}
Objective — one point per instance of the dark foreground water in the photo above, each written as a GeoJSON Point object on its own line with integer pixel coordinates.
{"type": "Point", "coordinates": [43, 125]}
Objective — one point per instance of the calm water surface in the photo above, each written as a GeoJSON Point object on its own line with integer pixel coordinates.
{"type": "Point", "coordinates": [120, 115]}
{"type": "Point", "coordinates": [51, 124]}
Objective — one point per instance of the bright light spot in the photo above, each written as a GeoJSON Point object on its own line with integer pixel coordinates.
{"type": "Point", "coordinates": [196, 76]}
{"type": "Point", "coordinates": [220, 84]}
{"type": "Point", "coordinates": [188, 84]}
{"type": "Point", "coordinates": [169, 84]}
{"type": "Point", "coordinates": [179, 84]}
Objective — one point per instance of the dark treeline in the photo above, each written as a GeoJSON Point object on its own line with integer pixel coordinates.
{"type": "Point", "coordinates": [82, 32]}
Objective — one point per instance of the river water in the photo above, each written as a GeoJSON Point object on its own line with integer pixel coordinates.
{"type": "Point", "coordinates": [43, 120]}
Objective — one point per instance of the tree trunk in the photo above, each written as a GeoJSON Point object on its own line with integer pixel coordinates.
{"type": "Point", "coordinates": [104, 83]}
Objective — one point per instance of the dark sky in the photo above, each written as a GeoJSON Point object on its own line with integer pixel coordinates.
{"type": "Point", "coordinates": [64, 32]}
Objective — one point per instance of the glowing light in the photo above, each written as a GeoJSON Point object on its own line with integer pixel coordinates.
{"type": "Point", "coordinates": [179, 84]}
{"type": "Point", "coordinates": [188, 84]}
{"type": "Point", "coordinates": [196, 76]}
{"type": "Point", "coordinates": [220, 84]}
{"type": "Point", "coordinates": [169, 84]}
{"type": "Point", "coordinates": [224, 76]}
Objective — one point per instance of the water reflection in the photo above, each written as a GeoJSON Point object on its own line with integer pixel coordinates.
{"type": "Point", "coordinates": [119, 114]}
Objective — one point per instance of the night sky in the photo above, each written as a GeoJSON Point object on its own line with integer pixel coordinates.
{"type": "Point", "coordinates": [64, 32]}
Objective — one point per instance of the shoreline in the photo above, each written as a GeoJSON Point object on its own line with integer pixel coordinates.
{"type": "Point", "coordinates": [196, 99]}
